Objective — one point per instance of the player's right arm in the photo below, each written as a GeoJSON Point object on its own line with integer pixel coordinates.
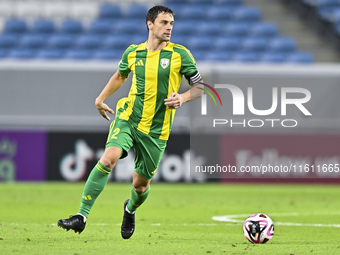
{"type": "Point", "coordinates": [116, 81]}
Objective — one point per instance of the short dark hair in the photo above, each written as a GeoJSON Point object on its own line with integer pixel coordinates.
{"type": "Point", "coordinates": [155, 11]}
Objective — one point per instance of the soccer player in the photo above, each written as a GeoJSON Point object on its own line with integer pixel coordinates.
{"type": "Point", "coordinates": [144, 118]}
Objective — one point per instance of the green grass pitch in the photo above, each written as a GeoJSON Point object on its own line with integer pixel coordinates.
{"type": "Point", "coordinates": [175, 219]}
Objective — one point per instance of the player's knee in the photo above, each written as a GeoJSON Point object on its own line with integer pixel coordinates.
{"type": "Point", "coordinates": [108, 162]}
{"type": "Point", "coordinates": [140, 189]}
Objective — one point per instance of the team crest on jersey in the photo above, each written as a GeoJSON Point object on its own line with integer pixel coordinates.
{"type": "Point", "coordinates": [165, 62]}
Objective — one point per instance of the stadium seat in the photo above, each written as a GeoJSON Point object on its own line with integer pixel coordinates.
{"type": "Point", "coordinates": [190, 12]}
{"type": "Point", "coordinates": [33, 41]}
{"type": "Point", "coordinates": [300, 57]}
{"type": "Point", "coordinates": [71, 26]}
{"type": "Point", "coordinates": [179, 39]}
{"type": "Point", "coordinates": [238, 29]}
{"type": "Point", "coordinates": [256, 44]}
{"type": "Point", "coordinates": [229, 2]}
{"type": "Point", "coordinates": [43, 26]}
{"type": "Point", "coordinates": [245, 57]}
{"type": "Point", "coordinates": [101, 26]}
{"type": "Point", "coordinates": [273, 57]}
{"type": "Point", "coordinates": [88, 41]}
{"type": "Point", "coordinates": [81, 54]}
{"type": "Point", "coordinates": [15, 26]}
{"type": "Point", "coordinates": [50, 54]}
{"type": "Point", "coordinates": [212, 28]}
{"type": "Point", "coordinates": [108, 54]}
{"type": "Point", "coordinates": [8, 41]}
{"type": "Point", "coordinates": [246, 14]}
{"type": "Point", "coordinates": [137, 39]}
{"type": "Point", "coordinates": [335, 15]}
{"type": "Point", "coordinates": [21, 53]}
{"type": "Point", "coordinates": [219, 13]}
{"type": "Point", "coordinates": [227, 43]}
{"type": "Point", "coordinates": [199, 43]}
{"type": "Point", "coordinates": [202, 2]}
{"type": "Point", "coordinates": [282, 44]}
{"type": "Point", "coordinates": [136, 11]}
{"type": "Point", "coordinates": [176, 2]}
{"type": "Point", "coordinates": [3, 53]}
{"type": "Point", "coordinates": [130, 26]}
{"type": "Point", "coordinates": [263, 30]}
{"type": "Point", "coordinates": [110, 11]}
{"type": "Point", "coordinates": [199, 55]}
{"type": "Point", "coordinates": [184, 28]}
{"type": "Point", "coordinates": [61, 41]}
{"type": "Point", "coordinates": [116, 42]}
{"type": "Point", "coordinates": [218, 56]}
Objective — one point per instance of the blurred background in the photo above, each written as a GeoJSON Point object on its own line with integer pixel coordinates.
{"type": "Point", "coordinates": [57, 55]}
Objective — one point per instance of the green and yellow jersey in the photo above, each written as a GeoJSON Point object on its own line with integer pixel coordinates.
{"type": "Point", "coordinates": [156, 74]}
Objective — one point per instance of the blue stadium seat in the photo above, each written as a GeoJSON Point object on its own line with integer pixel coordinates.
{"type": "Point", "coordinates": [81, 54]}
{"type": "Point", "coordinates": [199, 55]}
{"type": "Point", "coordinates": [61, 41]}
{"type": "Point", "coordinates": [184, 28]}
{"type": "Point", "coordinates": [218, 56]}
{"type": "Point", "coordinates": [202, 2]}
{"type": "Point", "coordinates": [110, 11]}
{"type": "Point", "coordinates": [8, 41]}
{"type": "Point", "coordinates": [239, 29]}
{"type": "Point", "coordinates": [246, 14]}
{"type": "Point", "coordinates": [326, 3]}
{"type": "Point", "coordinates": [130, 26]}
{"type": "Point", "coordinates": [212, 28]}
{"type": "Point", "coordinates": [3, 53]}
{"type": "Point", "coordinates": [101, 26]}
{"type": "Point", "coordinates": [108, 54]}
{"type": "Point", "coordinates": [282, 44]}
{"type": "Point", "coordinates": [33, 41]}
{"type": "Point", "coordinates": [227, 43]}
{"type": "Point", "coordinates": [199, 43]}
{"type": "Point", "coordinates": [15, 26]}
{"type": "Point", "coordinates": [136, 11]}
{"type": "Point", "coordinates": [273, 57]}
{"type": "Point", "coordinates": [43, 26]}
{"type": "Point", "coordinates": [176, 2]}
{"type": "Point", "coordinates": [21, 53]}
{"type": "Point", "coordinates": [256, 44]}
{"type": "Point", "coordinates": [300, 57]}
{"type": "Point", "coordinates": [116, 42]}
{"type": "Point", "coordinates": [246, 57]}
{"type": "Point", "coordinates": [220, 13]}
{"type": "Point", "coordinates": [88, 41]}
{"type": "Point", "coordinates": [190, 12]}
{"type": "Point", "coordinates": [50, 54]}
{"type": "Point", "coordinates": [263, 30]}
{"type": "Point", "coordinates": [137, 39]}
{"type": "Point", "coordinates": [335, 15]}
{"type": "Point", "coordinates": [337, 28]}
{"type": "Point", "coordinates": [179, 39]}
{"type": "Point", "coordinates": [71, 26]}
{"type": "Point", "coordinates": [229, 2]}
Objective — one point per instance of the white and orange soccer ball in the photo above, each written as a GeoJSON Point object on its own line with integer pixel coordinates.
{"type": "Point", "coordinates": [258, 228]}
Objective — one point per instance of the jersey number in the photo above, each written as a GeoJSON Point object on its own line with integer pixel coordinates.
{"type": "Point", "coordinates": [115, 133]}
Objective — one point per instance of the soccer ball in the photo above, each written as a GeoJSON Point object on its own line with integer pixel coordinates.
{"type": "Point", "coordinates": [258, 228]}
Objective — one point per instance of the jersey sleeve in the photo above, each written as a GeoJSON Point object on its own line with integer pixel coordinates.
{"type": "Point", "coordinates": [124, 64]}
{"type": "Point", "coordinates": [189, 68]}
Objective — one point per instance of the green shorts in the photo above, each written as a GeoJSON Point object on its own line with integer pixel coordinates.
{"type": "Point", "coordinates": [148, 150]}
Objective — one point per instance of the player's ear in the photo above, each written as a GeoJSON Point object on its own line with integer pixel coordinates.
{"type": "Point", "coordinates": [150, 25]}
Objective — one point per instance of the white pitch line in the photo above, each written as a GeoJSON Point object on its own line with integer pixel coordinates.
{"type": "Point", "coordinates": [231, 219]}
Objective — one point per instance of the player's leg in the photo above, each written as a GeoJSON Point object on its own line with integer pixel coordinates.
{"type": "Point", "coordinates": [95, 184]}
{"type": "Point", "coordinates": [118, 144]}
{"type": "Point", "coordinates": [149, 152]}
{"type": "Point", "coordinates": [139, 192]}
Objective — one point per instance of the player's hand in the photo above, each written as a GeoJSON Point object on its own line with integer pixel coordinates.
{"type": "Point", "coordinates": [103, 108]}
{"type": "Point", "coordinates": [174, 101]}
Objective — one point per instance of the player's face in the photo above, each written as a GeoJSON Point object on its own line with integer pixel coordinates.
{"type": "Point", "coordinates": [162, 27]}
